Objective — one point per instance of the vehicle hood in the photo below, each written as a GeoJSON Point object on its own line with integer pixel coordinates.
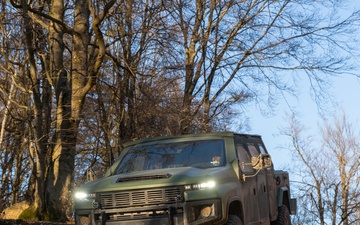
{"type": "Point", "coordinates": [157, 178]}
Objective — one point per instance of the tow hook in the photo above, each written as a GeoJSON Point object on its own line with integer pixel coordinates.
{"type": "Point", "coordinates": [103, 218]}
{"type": "Point", "coordinates": [171, 214]}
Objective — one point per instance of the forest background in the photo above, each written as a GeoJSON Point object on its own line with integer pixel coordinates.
{"type": "Point", "coordinates": [79, 78]}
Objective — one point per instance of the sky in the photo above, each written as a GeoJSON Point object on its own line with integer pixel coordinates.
{"type": "Point", "coordinates": [345, 92]}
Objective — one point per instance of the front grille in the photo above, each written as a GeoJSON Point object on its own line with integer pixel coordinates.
{"type": "Point", "coordinates": [140, 197]}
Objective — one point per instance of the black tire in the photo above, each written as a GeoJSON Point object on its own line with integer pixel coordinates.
{"type": "Point", "coordinates": [283, 216]}
{"type": "Point", "coordinates": [234, 220]}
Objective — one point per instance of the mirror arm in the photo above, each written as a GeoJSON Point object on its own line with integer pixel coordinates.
{"type": "Point", "coordinates": [244, 176]}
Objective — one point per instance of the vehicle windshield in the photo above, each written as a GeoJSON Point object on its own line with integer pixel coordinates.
{"type": "Point", "coordinates": [200, 154]}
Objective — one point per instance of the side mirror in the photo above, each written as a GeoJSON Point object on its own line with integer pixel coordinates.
{"type": "Point", "coordinates": [261, 161]}
{"type": "Point", "coordinates": [258, 163]}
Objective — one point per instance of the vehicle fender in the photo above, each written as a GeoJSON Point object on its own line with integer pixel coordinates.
{"type": "Point", "coordinates": [283, 196]}
{"type": "Point", "coordinates": [234, 206]}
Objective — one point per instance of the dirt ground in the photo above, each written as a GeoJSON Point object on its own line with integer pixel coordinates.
{"type": "Point", "coordinates": [22, 222]}
{"type": "Point", "coordinates": [9, 216]}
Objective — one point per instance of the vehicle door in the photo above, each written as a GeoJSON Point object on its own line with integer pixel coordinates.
{"type": "Point", "coordinates": [249, 188]}
{"type": "Point", "coordinates": [270, 183]}
{"type": "Point", "coordinates": [261, 186]}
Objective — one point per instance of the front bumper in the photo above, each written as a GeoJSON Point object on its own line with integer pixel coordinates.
{"type": "Point", "coordinates": [187, 213]}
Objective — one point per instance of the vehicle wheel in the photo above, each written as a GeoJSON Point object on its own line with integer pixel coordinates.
{"type": "Point", "coordinates": [234, 220]}
{"type": "Point", "coordinates": [283, 216]}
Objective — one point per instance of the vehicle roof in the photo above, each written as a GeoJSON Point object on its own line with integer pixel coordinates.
{"type": "Point", "coordinates": [189, 136]}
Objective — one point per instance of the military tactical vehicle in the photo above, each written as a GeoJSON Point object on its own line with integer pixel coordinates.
{"type": "Point", "coordinates": [214, 178]}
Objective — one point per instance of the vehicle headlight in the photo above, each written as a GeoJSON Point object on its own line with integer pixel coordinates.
{"type": "Point", "coordinates": [83, 195]}
{"type": "Point", "coordinates": [203, 211]}
{"type": "Point", "coordinates": [205, 185]}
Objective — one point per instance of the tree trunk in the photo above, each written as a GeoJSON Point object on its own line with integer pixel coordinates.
{"type": "Point", "coordinates": [44, 61]}
{"type": "Point", "coordinates": [190, 84]}
{"type": "Point", "coordinates": [70, 100]}
{"type": "Point", "coordinates": [39, 131]}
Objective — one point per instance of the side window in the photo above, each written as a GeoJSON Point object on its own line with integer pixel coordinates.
{"type": "Point", "coordinates": [244, 158]}
{"type": "Point", "coordinates": [262, 149]}
{"type": "Point", "coordinates": [252, 149]}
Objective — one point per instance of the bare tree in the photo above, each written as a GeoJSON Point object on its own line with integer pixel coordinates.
{"type": "Point", "coordinates": [311, 171]}
{"type": "Point", "coordinates": [341, 139]}
{"type": "Point", "coordinates": [233, 50]}
{"type": "Point", "coordinates": [328, 173]}
{"type": "Point", "coordinates": [139, 57]}
{"type": "Point", "coordinates": [15, 135]}
{"type": "Point", "coordinates": [49, 40]}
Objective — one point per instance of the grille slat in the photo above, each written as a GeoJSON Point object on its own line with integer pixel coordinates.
{"type": "Point", "coordinates": [140, 198]}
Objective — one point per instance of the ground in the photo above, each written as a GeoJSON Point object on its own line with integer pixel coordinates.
{"type": "Point", "coordinates": [22, 222]}
{"type": "Point", "coordinates": [9, 216]}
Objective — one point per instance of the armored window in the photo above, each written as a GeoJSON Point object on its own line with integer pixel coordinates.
{"type": "Point", "coordinates": [244, 159]}
{"type": "Point", "coordinates": [262, 149]}
{"type": "Point", "coordinates": [253, 150]}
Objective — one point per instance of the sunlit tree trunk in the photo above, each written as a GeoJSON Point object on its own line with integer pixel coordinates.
{"type": "Point", "coordinates": [70, 95]}
{"type": "Point", "coordinates": [39, 128]}
{"type": "Point", "coordinates": [70, 99]}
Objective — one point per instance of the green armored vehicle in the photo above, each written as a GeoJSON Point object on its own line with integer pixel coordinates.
{"type": "Point", "coordinates": [216, 178]}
